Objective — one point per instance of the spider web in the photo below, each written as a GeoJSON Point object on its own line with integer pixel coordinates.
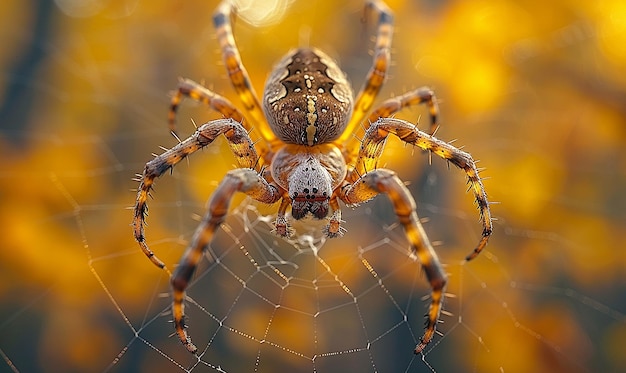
{"type": "Point", "coordinates": [77, 293]}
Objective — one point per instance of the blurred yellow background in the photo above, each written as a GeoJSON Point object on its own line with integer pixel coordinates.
{"type": "Point", "coordinates": [536, 90]}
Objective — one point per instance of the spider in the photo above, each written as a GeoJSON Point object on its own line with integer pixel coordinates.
{"type": "Point", "coordinates": [309, 157]}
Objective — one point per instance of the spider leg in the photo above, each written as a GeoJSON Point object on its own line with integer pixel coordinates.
{"type": "Point", "coordinates": [281, 225]}
{"type": "Point", "coordinates": [373, 144]}
{"type": "Point", "coordinates": [243, 180]}
{"type": "Point", "coordinates": [334, 228]}
{"type": "Point", "coordinates": [376, 75]}
{"type": "Point", "coordinates": [237, 72]}
{"type": "Point", "coordinates": [239, 141]}
{"type": "Point", "coordinates": [197, 92]}
{"type": "Point", "coordinates": [422, 95]}
{"type": "Point", "coordinates": [386, 182]}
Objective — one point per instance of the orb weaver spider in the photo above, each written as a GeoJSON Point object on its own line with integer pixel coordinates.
{"type": "Point", "coordinates": [308, 157]}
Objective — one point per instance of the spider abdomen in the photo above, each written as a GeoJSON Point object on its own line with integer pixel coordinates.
{"type": "Point", "coordinates": [307, 98]}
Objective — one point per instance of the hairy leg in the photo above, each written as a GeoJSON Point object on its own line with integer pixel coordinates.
{"type": "Point", "coordinates": [247, 181]}
{"type": "Point", "coordinates": [237, 72]}
{"type": "Point", "coordinates": [376, 76]}
{"type": "Point", "coordinates": [197, 92]}
{"type": "Point", "coordinates": [382, 181]}
{"type": "Point", "coordinates": [373, 144]}
{"type": "Point", "coordinates": [423, 95]}
{"type": "Point", "coordinates": [239, 141]}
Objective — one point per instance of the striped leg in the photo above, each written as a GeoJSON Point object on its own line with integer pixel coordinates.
{"type": "Point", "coordinates": [197, 92]}
{"type": "Point", "coordinates": [386, 182]}
{"type": "Point", "coordinates": [237, 72]}
{"type": "Point", "coordinates": [423, 95]}
{"type": "Point", "coordinates": [377, 73]}
{"type": "Point", "coordinates": [373, 144]}
{"type": "Point", "coordinates": [243, 180]}
{"type": "Point", "coordinates": [239, 141]}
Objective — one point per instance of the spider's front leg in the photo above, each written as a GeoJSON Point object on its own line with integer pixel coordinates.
{"type": "Point", "coordinates": [386, 182]}
{"type": "Point", "coordinates": [247, 181]}
{"type": "Point", "coordinates": [237, 73]}
{"type": "Point", "coordinates": [374, 142]}
{"type": "Point", "coordinates": [239, 141]}
{"type": "Point", "coordinates": [281, 225]}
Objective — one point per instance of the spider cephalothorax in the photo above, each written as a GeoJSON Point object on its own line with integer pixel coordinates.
{"type": "Point", "coordinates": [308, 157]}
